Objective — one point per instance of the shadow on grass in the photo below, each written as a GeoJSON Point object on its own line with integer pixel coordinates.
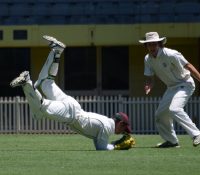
{"type": "Point", "coordinates": [23, 150]}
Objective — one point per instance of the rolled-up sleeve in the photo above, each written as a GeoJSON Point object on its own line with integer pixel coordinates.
{"type": "Point", "coordinates": [147, 68]}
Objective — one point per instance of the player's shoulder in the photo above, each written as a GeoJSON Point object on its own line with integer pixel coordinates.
{"type": "Point", "coordinates": [170, 52]}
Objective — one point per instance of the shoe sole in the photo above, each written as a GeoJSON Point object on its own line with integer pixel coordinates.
{"type": "Point", "coordinates": [24, 74]}
{"type": "Point", "coordinates": [54, 40]}
{"type": "Point", "coordinates": [19, 81]}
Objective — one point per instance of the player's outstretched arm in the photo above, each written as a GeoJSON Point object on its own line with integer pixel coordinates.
{"type": "Point", "coordinates": [194, 72]}
{"type": "Point", "coordinates": [124, 143]}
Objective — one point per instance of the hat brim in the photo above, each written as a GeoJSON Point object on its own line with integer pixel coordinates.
{"type": "Point", "coordinates": [164, 40]}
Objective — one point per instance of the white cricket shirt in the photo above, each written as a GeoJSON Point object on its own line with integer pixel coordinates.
{"type": "Point", "coordinates": [168, 66]}
{"type": "Point", "coordinates": [93, 125]}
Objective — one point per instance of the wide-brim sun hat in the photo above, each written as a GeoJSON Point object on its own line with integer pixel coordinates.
{"type": "Point", "coordinates": [153, 37]}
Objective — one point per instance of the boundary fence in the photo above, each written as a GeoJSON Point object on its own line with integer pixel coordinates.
{"type": "Point", "coordinates": [15, 116]}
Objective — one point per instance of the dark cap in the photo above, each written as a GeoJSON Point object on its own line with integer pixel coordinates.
{"type": "Point", "coordinates": [120, 116]}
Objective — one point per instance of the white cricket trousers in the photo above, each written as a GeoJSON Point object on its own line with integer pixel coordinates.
{"type": "Point", "coordinates": [58, 106]}
{"type": "Point", "coordinates": [171, 108]}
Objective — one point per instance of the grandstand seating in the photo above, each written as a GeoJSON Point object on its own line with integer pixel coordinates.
{"type": "Point", "coordinates": [166, 12]}
{"type": "Point", "coordinates": [20, 9]}
{"type": "Point", "coordinates": [187, 12]}
{"type": "Point", "coordinates": [4, 9]}
{"type": "Point", "coordinates": [97, 11]}
{"type": "Point", "coordinates": [41, 9]}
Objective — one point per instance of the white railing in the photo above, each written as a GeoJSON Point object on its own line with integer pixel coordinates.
{"type": "Point", "coordinates": [15, 116]}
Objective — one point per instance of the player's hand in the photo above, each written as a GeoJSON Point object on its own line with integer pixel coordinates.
{"type": "Point", "coordinates": [147, 89]}
{"type": "Point", "coordinates": [125, 143]}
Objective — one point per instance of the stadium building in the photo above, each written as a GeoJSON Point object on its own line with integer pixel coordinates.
{"type": "Point", "coordinates": [103, 56]}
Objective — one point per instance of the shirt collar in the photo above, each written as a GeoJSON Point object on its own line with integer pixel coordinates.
{"type": "Point", "coordinates": [159, 52]}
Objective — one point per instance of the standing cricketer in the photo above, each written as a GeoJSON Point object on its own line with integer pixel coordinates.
{"type": "Point", "coordinates": [47, 100]}
{"type": "Point", "coordinates": [175, 71]}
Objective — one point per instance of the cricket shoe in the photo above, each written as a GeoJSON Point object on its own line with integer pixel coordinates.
{"type": "Point", "coordinates": [167, 144]}
{"type": "Point", "coordinates": [21, 80]}
{"type": "Point", "coordinates": [196, 140]}
{"type": "Point", "coordinates": [55, 44]}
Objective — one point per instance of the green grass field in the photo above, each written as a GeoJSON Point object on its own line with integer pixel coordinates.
{"type": "Point", "coordinates": [75, 154]}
